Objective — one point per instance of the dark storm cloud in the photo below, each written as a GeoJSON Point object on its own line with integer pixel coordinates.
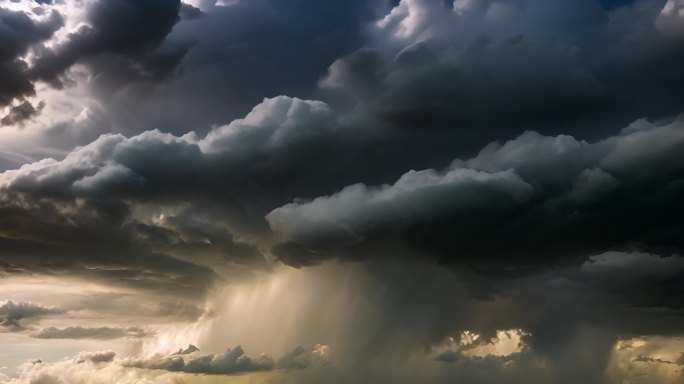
{"type": "Point", "coordinates": [92, 242]}
{"type": "Point", "coordinates": [230, 362]}
{"type": "Point", "coordinates": [22, 112]}
{"type": "Point", "coordinates": [123, 42]}
{"type": "Point", "coordinates": [240, 54]}
{"type": "Point", "coordinates": [487, 68]}
{"type": "Point", "coordinates": [102, 333]}
{"type": "Point", "coordinates": [127, 31]}
{"type": "Point", "coordinates": [521, 228]}
{"type": "Point", "coordinates": [116, 207]}
{"type": "Point", "coordinates": [487, 72]}
{"type": "Point", "coordinates": [233, 361]}
{"type": "Point", "coordinates": [268, 148]}
{"type": "Point", "coordinates": [18, 32]}
{"type": "Point", "coordinates": [536, 198]}
{"type": "Point", "coordinates": [12, 313]}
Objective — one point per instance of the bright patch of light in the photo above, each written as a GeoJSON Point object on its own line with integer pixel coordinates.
{"type": "Point", "coordinates": [505, 343]}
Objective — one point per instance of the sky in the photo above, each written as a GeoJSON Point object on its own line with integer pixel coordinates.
{"type": "Point", "coordinates": [357, 191]}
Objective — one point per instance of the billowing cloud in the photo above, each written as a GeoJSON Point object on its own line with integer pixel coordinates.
{"type": "Point", "coordinates": [239, 54]}
{"type": "Point", "coordinates": [21, 112]}
{"type": "Point", "coordinates": [122, 32]}
{"type": "Point", "coordinates": [231, 361]}
{"type": "Point", "coordinates": [129, 29]}
{"type": "Point", "coordinates": [155, 195]}
{"type": "Point", "coordinates": [158, 192]}
{"type": "Point", "coordinates": [108, 366]}
{"type": "Point", "coordinates": [19, 32]}
{"type": "Point", "coordinates": [485, 68]}
{"type": "Point", "coordinates": [12, 313]}
{"type": "Point", "coordinates": [535, 197]}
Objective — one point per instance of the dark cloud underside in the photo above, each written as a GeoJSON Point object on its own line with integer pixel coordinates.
{"type": "Point", "coordinates": [431, 169]}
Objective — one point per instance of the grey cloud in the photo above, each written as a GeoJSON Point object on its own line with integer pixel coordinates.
{"type": "Point", "coordinates": [93, 247]}
{"type": "Point", "coordinates": [520, 228]}
{"type": "Point", "coordinates": [12, 313]}
{"type": "Point", "coordinates": [482, 69]}
{"type": "Point", "coordinates": [121, 36]}
{"type": "Point", "coordinates": [199, 199]}
{"type": "Point", "coordinates": [131, 29]}
{"type": "Point", "coordinates": [19, 33]}
{"type": "Point", "coordinates": [642, 281]}
{"type": "Point", "coordinates": [239, 54]}
{"type": "Point", "coordinates": [157, 195]}
{"type": "Point", "coordinates": [109, 367]}
{"type": "Point", "coordinates": [19, 113]}
{"type": "Point", "coordinates": [180, 310]}
{"type": "Point", "coordinates": [103, 333]}
{"type": "Point", "coordinates": [535, 197]}
{"type": "Point", "coordinates": [259, 146]}
{"type": "Point", "coordinates": [13, 82]}
{"type": "Point", "coordinates": [231, 361]}
{"type": "Point", "coordinates": [259, 152]}
{"type": "Point", "coordinates": [592, 69]}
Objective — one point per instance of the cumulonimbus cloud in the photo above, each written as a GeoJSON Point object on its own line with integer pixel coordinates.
{"type": "Point", "coordinates": [532, 198]}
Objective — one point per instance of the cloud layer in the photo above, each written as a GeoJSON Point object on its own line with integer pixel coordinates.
{"type": "Point", "coordinates": [436, 191]}
{"type": "Point", "coordinates": [12, 313]}
{"type": "Point", "coordinates": [535, 197]}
